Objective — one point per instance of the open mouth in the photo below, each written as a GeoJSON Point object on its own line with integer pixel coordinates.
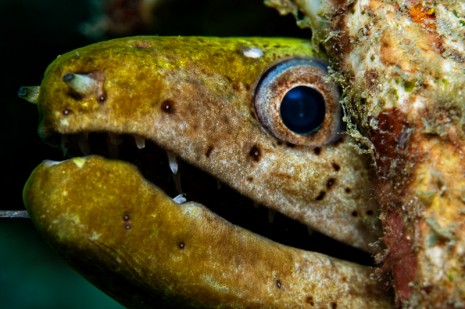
{"type": "Point", "coordinates": [178, 235]}
{"type": "Point", "coordinates": [181, 180]}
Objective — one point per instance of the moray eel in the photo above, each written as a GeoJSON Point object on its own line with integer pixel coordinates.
{"type": "Point", "coordinates": [235, 108]}
{"type": "Point", "coordinates": [401, 64]}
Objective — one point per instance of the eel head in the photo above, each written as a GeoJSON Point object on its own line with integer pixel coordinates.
{"type": "Point", "coordinates": [237, 109]}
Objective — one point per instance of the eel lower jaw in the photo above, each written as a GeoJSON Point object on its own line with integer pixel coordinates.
{"type": "Point", "coordinates": [183, 181]}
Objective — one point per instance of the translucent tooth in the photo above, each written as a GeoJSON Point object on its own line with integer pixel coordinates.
{"type": "Point", "coordinates": [256, 205]}
{"type": "Point", "coordinates": [83, 143]}
{"type": "Point", "coordinates": [271, 215]}
{"type": "Point", "coordinates": [180, 198]}
{"type": "Point", "coordinates": [81, 83]}
{"type": "Point", "coordinates": [309, 231]}
{"type": "Point", "coordinates": [173, 162]}
{"type": "Point", "coordinates": [64, 144]}
{"type": "Point", "coordinates": [29, 93]}
{"type": "Point", "coordinates": [115, 139]}
{"type": "Point", "coordinates": [112, 143]}
{"type": "Point", "coordinates": [140, 141]}
{"type": "Point", "coordinates": [218, 185]}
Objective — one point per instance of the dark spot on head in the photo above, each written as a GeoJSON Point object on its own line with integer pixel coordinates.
{"type": "Point", "coordinates": [167, 106]}
{"type": "Point", "coordinates": [348, 190]}
{"type": "Point", "coordinates": [333, 305]}
{"type": "Point", "coordinates": [247, 87]}
{"type": "Point", "coordinates": [66, 111]}
{"type": "Point", "coordinates": [101, 98]}
{"type": "Point", "coordinates": [209, 151]}
{"type": "Point", "coordinates": [181, 245]}
{"type": "Point", "coordinates": [336, 166]}
{"type": "Point", "coordinates": [309, 300]}
{"type": "Point", "coordinates": [255, 153]}
{"type": "Point", "coordinates": [249, 178]}
{"type": "Point", "coordinates": [225, 120]}
{"type": "Point", "coordinates": [279, 284]}
{"type": "Point", "coordinates": [354, 213]}
{"type": "Point", "coordinates": [321, 195]}
{"type": "Point", "coordinates": [330, 182]}
{"type": "Point", "coordinates": [369, 212]}
{"type": "Point", "coordinates": [317, 150]}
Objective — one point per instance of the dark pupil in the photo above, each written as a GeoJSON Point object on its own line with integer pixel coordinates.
{"type": "Point", "coordinates": [303, 110]}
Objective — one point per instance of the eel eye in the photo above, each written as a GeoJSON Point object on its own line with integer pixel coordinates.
{"type": "Point", "coordinates": [297, 103]}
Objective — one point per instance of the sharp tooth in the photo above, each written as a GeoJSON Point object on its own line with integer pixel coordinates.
{"type": "Point", "coordinates": [113, 141]}
{"type": "Point", "coordinates": [174, 167]}
{"type": "Point", "coordinates": [180, 198]}
{"type": "Point", "coordinates": [83, 143]}
{"type": "Point", "coordinates": [173, 162]}
{"type": "Point", "coordinates": [271, 215]}
{"type": "Point", "coordinates": [309, 231]}
{"type": "Point", "coordinates": [29, 93]}
{"type": "Point", "coordinates": [140, 141]}
{"type": "Point", "coordinates": [64, 144]}
{"type": "Point", "coordinates": [81, 83]}
{"type": "Point", "coordinates": [218, 185]}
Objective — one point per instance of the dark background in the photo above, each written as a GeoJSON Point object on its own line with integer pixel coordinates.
{"type": "Point", "coordinates": [33, 33]}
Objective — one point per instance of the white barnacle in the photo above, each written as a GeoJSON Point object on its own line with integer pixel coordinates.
{"type": "Point", "coordinates": [180, 198]}
{"type": "Point", "coordinates": [252, 52]}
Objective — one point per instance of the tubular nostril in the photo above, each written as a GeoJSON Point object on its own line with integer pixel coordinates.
{"type": "Point", "coordinates": [29, 93]}
{"type": "Point", "coordinates": [81, 83]}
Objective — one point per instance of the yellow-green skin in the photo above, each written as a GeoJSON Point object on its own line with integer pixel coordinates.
{"type": "Point", "coordinates": [194, 97]}
{"type": "Point", "coordinates": [143, 249]}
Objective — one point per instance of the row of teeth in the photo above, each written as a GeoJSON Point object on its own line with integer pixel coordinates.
{"type": "Point", "coordinates": [114, 141]}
